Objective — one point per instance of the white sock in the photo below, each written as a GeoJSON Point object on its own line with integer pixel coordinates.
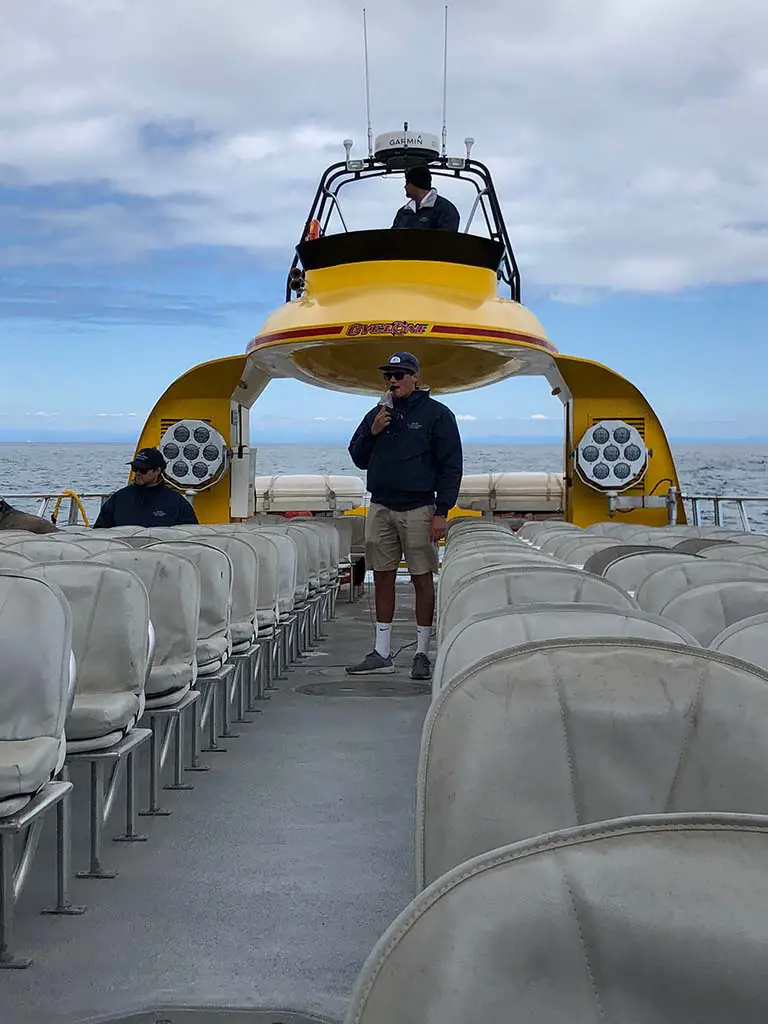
{"type": "Point", "coordinates": [423, 633]}
{"type": "Point", "coordinates": [383, 635]}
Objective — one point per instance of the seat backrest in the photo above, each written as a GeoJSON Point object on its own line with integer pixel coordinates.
{"type": "Point", "coordinates": [506, 586]}
{"type": "Point", "coordinates": [287, 566]}
{"type": "Point", "coordinates": [14, 536]}
{"type": "Point", "coordinates": [245, 573]}
{"type": "Point", "coordinates": [656, 920]}
{"type": "Point", "coordinates": [95, 545]}
{"type": "Point", "coordinates": [576, 550]}
{"type": "Point", "coordinates": [267, 552]}
{"type": "Point", "coordinates": [302, 560]}
{"type": "Point", "coordinates": [733, 552]}
{"type": "Point", "coordinates": [630, 570]}
{"type": "Point", "coordinates": [119, 531]}
{"type": "Point", "coordinates": [173, 586]}
{"type": "Point", "coordinates": [460, 528]}
{"type": "Point", "coordinates": [324, 545]}
{"type": "Point", "coordinates": [468, 541]}
{"type": "Point", "coordinates": [311, 544]}
{"type": "Point", "coordinates": [110, 617]}
{"type": "Point", "coordinates": [456, 568]}
{"type": "Point", "coordinates": [708, 609]}
{"type": "Point", "coordinates": [530, 531]}
{"type": "Point", "coordinates": [658, 589]}
{"type": "Point", "coordinates": [489, 633]}
{"type": "Point", "coordinates": [35, 647]}
{"type": "Point", "coordinates": [569, 731]}
{"type": "Point", "coordinates": [746, 639]}
{"type": "Point", "coordinates": [49, 550]}
{"type": "Point", "coordinates": [549, 540]}
{"type": "Point", "coordinates": [216, 574]}
{"type": "Point", "coordinates": [13, 559]}
{"type": "Point", "coordinates": [599, 562]}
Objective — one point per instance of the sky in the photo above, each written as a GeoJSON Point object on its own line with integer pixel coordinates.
{"type": "Point", "coordinates": [158, 161]}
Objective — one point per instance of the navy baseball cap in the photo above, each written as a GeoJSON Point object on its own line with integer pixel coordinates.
{"type": "Point", "coordinates": [149, 458]}
{"type": "Point", "coordinates": [402, 361]}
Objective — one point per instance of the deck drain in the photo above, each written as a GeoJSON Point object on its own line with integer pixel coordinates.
{"type": "Point", "coordinates": [365, 688]}
{"type": "Point", "coordinates": [215, 1016]}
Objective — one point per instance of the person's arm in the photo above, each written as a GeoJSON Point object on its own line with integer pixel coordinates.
{"type": "Point", "coordinates": [106, 517]}
{"type": "Point", "coordinates": [446, 444]}
{"type": "Point", "coordinates": [447, 217]}
{"type": "Point", "coordinates": [361, 445]}
{"type": "Point", "coordinates": [186, 515]}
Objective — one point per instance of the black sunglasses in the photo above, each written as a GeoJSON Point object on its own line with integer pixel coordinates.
{"type": "Point", "coordinates": [396, 374]}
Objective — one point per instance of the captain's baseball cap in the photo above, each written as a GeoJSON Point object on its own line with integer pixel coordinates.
{"type": "Point", "coordinates": [149, 458]}
{"type": "Point", "coordinates": [402, 361]}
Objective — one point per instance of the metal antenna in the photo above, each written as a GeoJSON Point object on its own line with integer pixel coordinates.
{"type": "Point", "coordinates": [445, 82]}
{"type": "Point", "coordinates": [367, 86]}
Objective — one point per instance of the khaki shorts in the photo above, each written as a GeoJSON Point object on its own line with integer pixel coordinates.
{"type": "Point", "coordinates": [389, 536]}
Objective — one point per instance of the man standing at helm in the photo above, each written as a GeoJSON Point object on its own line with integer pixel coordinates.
{"type": "Point", "coordinates": [411, 448]}
{"type": "Point", "coordinates": [425, 208]}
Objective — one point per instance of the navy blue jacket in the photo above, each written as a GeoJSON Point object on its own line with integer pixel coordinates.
{"type": "Point", "coordinates": [441, 216]}
{"type": "Point", "coordinates": [145, 506]}
{"type": "Point", "coordinates": [417, 460]}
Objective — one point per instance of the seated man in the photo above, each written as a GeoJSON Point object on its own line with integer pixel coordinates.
{"type": "Point", "coordinates": [148, 501]}
{"type": "Point", "coordinates": [425, 208]}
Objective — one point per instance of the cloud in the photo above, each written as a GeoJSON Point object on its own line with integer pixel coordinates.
{"type": "Point", "coordinates": [465, 418]}
{"type": "Point", "coordinates": [539, 416]}
{"type": "Point", "coordinates": [116, 415]}
{"type": "Point", "coordinates": [621, 133]}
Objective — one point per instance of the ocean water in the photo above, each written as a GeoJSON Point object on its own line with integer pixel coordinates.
{"type": "Point", "coordinates": [705, 469]}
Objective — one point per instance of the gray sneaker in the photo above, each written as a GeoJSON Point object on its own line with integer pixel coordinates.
{"type": "Point", "coordinates": [372, 664]}
{"type": "Point", "coordinates": [421, 668]}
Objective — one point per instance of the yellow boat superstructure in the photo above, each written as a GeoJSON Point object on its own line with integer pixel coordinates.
{"type": "Point", "coordinates": [354, 296]}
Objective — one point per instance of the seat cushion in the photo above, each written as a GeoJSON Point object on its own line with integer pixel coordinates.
{"type": "Point", "coordinates": [212, 649]}
{"type": "Point", "coordinates": [242, 632]}
{"type": "Point", "coordinates": [26, 765]}
{"type": "Point", "coordinates": [167, 678]}
{"type": "Point", "coordinates": [96, 714]}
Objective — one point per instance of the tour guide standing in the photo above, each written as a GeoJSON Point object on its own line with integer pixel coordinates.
{"type": "Point", "coordinates": [412, 453]}
{"type": "Point", "coordinates": [148, 501]}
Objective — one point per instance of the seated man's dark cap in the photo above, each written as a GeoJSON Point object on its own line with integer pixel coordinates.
{"type": "Point", "coordinates": [420, 176]}
{"type": "Point", "coordinates": [149, 458]}
{"type": "Point", "coordinates": [402, 361]}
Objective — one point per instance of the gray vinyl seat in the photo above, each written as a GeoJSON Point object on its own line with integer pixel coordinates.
{"type": "Point", "coordinates": [172, 583]}
{"type": "Point", "coordinates": [576, 550]}
{"type": "Point", "coordinates": [49, 550]}
{"type": "Point", "coordinates": [268, 552]}
{"type": "Point", "coordinates": [508, 586]}
{"type": "Point", "coordinates": [490, 633]}
{"type": "Point", "coordinates": [458, 529]}
{"type": "Point", "coordinates": [658, 589]}
{"type": "Point", "coordinates": [14, 536]}
{"type": "Point", "coordinates": [630, 570]}
{"type": "Point", "coordinates": [311, 544]}
{"type": "Point", "coordinates": [245, 585]}
{"type": "Point", "coordinates": [568, 731]}
{"type": "Point", "coordinates": [214, 638]}
{"type": "Point", "coordinates": [746, 639]}
{"type": "Point", "coordinates": [38, 680]}
{"type": "Point", "coordinates": [660, 919]}
{"type": "Point", "coordinates": [112, 647]}
{"type": "Point", "coordinates": [474, 541]}
{"type": "Point", "coordinates": [730, 551]}
{"type": "Point", "coordinates": [13, 560]}
{"type": "Point", "coordinates": [549, 540]}
{"type": "Point", "coordinates": [456, 568]}
{"type": "Point", "coordinates": [710, 608]}
{"type": "Point", "coordinates": [95, 545]}
{"type": "Point", "coordinates": [324, 552]}
{"type": "Point", "coordinates": [301, 548]}
{"type": "Point", "coordinates": [528, 532]}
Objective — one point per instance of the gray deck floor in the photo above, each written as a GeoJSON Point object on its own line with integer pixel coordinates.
{"type": "Point", "coordinates": [270, 882]}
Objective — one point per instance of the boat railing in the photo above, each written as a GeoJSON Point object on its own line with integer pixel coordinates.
{"type": "Point", "coordinates": [719, 503]}
{"type": "Point", "coordinates": [701, 508]}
